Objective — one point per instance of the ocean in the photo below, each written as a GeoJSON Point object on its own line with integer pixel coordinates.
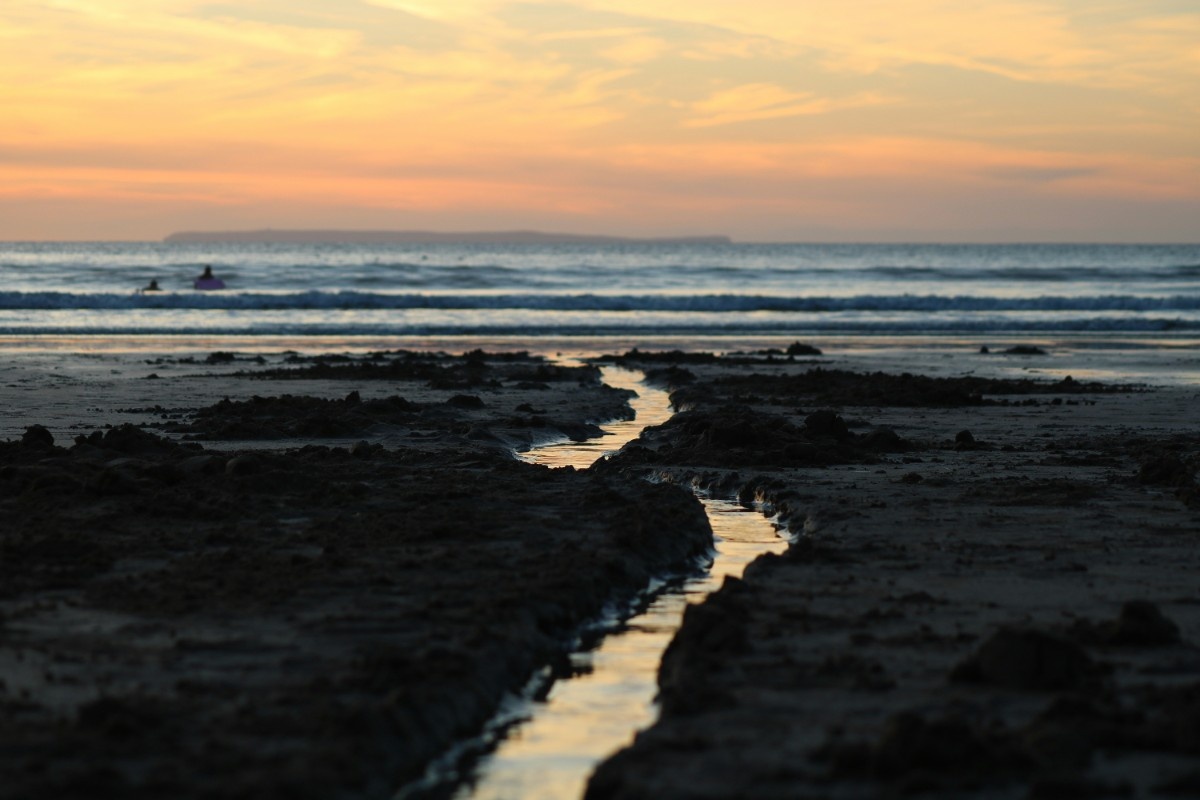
{"type": "Point", "coordinates": [588, 297]}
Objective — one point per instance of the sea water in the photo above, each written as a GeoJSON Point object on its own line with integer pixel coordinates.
{"type": "Point", "coordinates": [1143, 300]}
{"type": "Point", "coordinates": [582, 289]}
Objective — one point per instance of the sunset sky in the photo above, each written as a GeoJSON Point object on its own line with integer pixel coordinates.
{"type": "Point", "coordinates": [767, 120]}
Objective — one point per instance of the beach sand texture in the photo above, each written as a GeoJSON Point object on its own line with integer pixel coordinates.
{"type": "Point", "coordinates": [982, 600]}
{"type": "Point", "coordinates": [992, 590]}
{"type": "Point", "coordinates": [316, 621]}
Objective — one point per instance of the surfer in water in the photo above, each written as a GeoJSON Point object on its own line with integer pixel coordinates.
{"type": "Point", "coordinates": [151, 287]}
{"type": "Point", "coordinates": [207, 280]}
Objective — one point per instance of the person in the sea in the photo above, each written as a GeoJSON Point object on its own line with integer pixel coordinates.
{"type": "Point", "coordinates": [207, 280]}
{"type": "Point", "coordinates": [152, 286]}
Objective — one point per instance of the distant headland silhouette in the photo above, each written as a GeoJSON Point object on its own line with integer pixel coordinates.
{"type": "Point", "coordinates": [424, 237]}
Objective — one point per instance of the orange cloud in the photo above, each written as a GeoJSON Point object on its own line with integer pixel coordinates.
{"type": "Point", "coordinates": [760, 101]}
{"type": "Point", "coordinates": [632, 112]}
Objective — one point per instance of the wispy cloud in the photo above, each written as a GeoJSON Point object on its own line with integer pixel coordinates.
{"type": "Point", "coordinates": [597, 105]}
{"type": "Point", "coordinates": [762, 101]}
{"type": "Point", "coordinates": [1041, 174]}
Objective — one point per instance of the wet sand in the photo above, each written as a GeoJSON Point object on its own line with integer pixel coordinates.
{"type": "Point", "coordinates": [306, 577]}
{"type": "Point", "coordinates": [992, 592]}
{"type": "Point", "coordinates": [322, 596]}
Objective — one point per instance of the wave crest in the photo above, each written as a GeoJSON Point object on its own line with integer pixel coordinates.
{"type": "Point", "coordinates": [716, 303]}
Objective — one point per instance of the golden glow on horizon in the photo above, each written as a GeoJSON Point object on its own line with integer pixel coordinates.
{"type": "Point", "coordinates": [764, 120]}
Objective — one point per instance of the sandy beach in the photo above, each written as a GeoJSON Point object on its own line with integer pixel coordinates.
{"type": "Point", "coordinates": [991, 592]}
{"type": "Point", "coordinates": [233, 575]}
{"type": "Point", "coordinates": [293, 608]}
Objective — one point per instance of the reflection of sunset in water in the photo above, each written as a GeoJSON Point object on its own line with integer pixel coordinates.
{"type": "Point", "coordinates": [651, 407]}
{"type": "Point", "coordinates": [586, 718]}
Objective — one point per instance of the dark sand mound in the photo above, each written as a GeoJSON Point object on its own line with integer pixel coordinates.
{"type": "Point", "coordinates": [707, 379]}
{"type": "Point", "coordinates": [290, 417]}
{"type": "Point", "coordinates": [438, 370]}
{"type": "Point", "coordinates": [503, 400]}
{"type": "Point", "coordinates": [465, 416]}
{"type": "Point", "coordinates": [831, 387]}
{"type": "Point", "coordinates": [738, 436]}
{"type": "Point", "coordinates": [176, 622]}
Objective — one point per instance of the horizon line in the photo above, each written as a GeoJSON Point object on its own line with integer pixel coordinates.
{"type": "Point", "coordinates": [448, 237]}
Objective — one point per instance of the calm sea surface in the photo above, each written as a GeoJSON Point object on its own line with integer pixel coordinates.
{"type": "Point", "coordinates": [1148, 295]}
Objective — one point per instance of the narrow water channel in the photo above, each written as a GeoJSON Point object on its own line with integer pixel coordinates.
{"type": "Point", "coordinates": [651, 407]}
{"type": "Point", "coordinates": [582, 720]}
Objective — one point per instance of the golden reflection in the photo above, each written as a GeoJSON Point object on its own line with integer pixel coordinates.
{"type": "Point", "coordinates": [585, 719]}
{"type": "Point", "coordinates": [651, 407]}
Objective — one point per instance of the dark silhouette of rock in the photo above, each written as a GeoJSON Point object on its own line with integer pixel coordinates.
{"type": "Point", "coordinates": [37, 436]}
{"type": "Point", "coordinates": [1140, 624]}
{"type": "Point", "coordinates": [242, 465]}
{"type": "Point", "coordinates": [127, 439]}
{"type": "Point", "coordinates": [885, 440]}
{"type": "Point", "coordinates": [290, 415]}
{"type": "Point", "coordinates": [1022, 658]}
{"type": "Point", "coordinates": [465, 401]}
{"type": "Point", "coordinates": [1166, 470]}
{"type": "Point", "coordinates": [826, 424]}
{"type": "Point", "coordinates": [965, 441]}
{"type": "Point", "coordinates": [671, 377]}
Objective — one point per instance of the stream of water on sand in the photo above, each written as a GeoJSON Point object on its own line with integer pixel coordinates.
{"type": "Point", "coordinates": [550, 754]}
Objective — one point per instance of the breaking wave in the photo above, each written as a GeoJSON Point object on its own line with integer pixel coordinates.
{"type": "Point", "coordinates": [713, 303]}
